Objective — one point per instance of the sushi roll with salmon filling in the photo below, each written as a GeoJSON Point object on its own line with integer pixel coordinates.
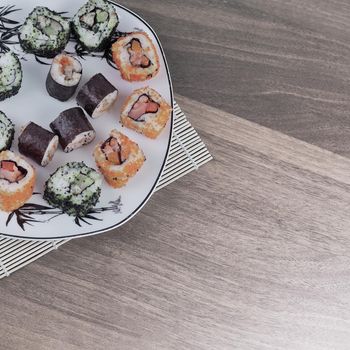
{"type": "Point", "coordinates": [75, 188]}
{"type": "Point", "coordinates": [17, 181]}
{"type": "Point", "coordinates": [94, 24]}
{"type": "Point", "coordinates": [7, 132]}
{"type": "Point", "coordinates": [146, 112]}
{"type": "Point", "coordinates": [10, 75]}
{"type": "Point", "coordinates": [64, 77]}
{"type": "Point", "coordinates": [136, 57]}
{"type": "Point", "coordinates": [37, 143]}
{"type": "Point", "coordinates": [118, 159]}
{"type": "Point", "coordinates": [44, 33]}
{"type": "Point", "coordinates": [97, 96]}
{"type": "Point", "coordinates": [73, 129]}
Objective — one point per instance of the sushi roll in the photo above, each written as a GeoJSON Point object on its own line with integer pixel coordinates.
{"type": "Point", "coordinates": [7, 132]}
{"type": "Point", "coordinates": [136, 57]}
{"type": "Point", "coordinates": [97, 96]}
{"type": "Point", "coordinates": [94, 24]}
{"type": "Point", "coordinates": [146, 112]}
{"type": "Point", "coordinates": [73, 129]}
{"type": "Point", "coordinates": [64, 77]}
{"type": "Point", "coordinates": [10, 75]}
{"type": "Point", "coordinates": [44, 33]}
{"type": "Point", "coordinates": [75, 188]}
{"type": "Point", "coordinates": [37, 143]}
{"type": "Point", "coordinates": [17, 181]}
{"type": "Point", "coordinates": [118, 159]}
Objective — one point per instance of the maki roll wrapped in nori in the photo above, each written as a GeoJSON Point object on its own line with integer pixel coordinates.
{"type": "Point", "coordinates": [146, 112]}
{"type": "Point", "coordinates": [94, 24]}
{"type": "Point", "coordinates": [44, 33]}
{"type": "Point", "coordinates": [37, 143]}
{"type": "Point", "coordinates": [17, 181]}
{"type": "Point", "coordinates": [7, 132]}
{"type": "Point", "coordinates": [97, 96]}
{"type": "Point", "coordinates": [10, 75]}
{"type": "Point", "coordinates": [136, 57]}
{"type": "Point", "coordinates": [118, 159]}
{"type": "Point", "coordinates": [75, 188]}
{"type": "Point", "coordinates": [73, 129]}
{"type": "Point", "coordinates": [64, 77]}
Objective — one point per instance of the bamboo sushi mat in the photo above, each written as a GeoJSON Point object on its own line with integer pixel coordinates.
{"type": "Point", "coordinates": [187, 153]}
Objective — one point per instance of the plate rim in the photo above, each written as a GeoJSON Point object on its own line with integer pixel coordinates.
{"type": "Point", "coordinates": [152, 190]}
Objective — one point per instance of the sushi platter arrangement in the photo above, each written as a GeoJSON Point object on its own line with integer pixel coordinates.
{"type": "Point", "coordinates": [85, 117]}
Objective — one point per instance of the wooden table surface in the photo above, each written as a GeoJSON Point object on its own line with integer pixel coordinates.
{"type": "Point", "coordinates": [253, 250]}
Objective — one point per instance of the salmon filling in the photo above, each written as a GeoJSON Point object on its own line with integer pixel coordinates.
{"type": "Point", "coordinates": [142, 106]}
{"type": "Point", "coordinates": [113, 151]}
{"type": "Point", "coordinates": [137, 54]}
{"type": "Point", "coordinates": [11, 172]}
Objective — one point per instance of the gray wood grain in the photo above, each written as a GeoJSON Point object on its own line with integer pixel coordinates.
{"type": "Point", "coordinates": [283, 64]}
{"type": "Point", "coordinates": [254, 256]}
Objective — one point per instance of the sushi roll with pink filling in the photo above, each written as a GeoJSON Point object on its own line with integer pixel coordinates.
{"type": "Point", "coordinates": [136, 57]}
{"type": "Point", "coordinates": [17, 181]}
{"type": "Point", "coordinates": [118, 159]}
{"type": "Point", "coordinates": [146, 112]}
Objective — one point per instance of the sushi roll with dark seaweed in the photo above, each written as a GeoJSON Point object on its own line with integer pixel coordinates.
{"type": "Point", "coordinates": [44, 33]}
{"type": "Point", "coordinates": [94, 24]}
{"type": "Point", "coordinates": [73, 129]}
{"type": "Point", "coordinates": [64, 77]}
{"type": "Point", "coordinates": [37, 143]}
{"type": "Point", "coordinates": [97, 96]}
{"type": "Point", "coordinates": [7, 132]}
{"type": "Point", "coordinates": [75, 188]}
{"type": "Point", "coordinates": [136, 57]}
{"type": "Point", "coordinates": [10, 75]}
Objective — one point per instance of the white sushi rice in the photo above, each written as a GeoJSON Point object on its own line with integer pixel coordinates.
{"type": "Point", "coordinates": [6, 59]}
{"type": "Point", "coordinates": [10, 72]}
{"type": "Point", "coordinates": [30, 30]}
{"type": "Point", "coordinates": [105, 104]}
{"type": "Point", "coordinates": [6, 130]}
{"type": "Point", "coordinates": [72, 74]}
{"type": "Point", "coordinates": [80, 140]}
{"type": "Point", "coordinates": [62, 182]}
{"type": "Point", "coordinates": [50, 151]}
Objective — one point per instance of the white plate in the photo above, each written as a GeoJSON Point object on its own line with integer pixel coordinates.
{"type": "Point", "coordinates": [34, 104]}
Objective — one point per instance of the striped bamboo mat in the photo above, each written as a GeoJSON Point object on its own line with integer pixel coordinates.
{"type": "Point", "coordinates": [187, 153]}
